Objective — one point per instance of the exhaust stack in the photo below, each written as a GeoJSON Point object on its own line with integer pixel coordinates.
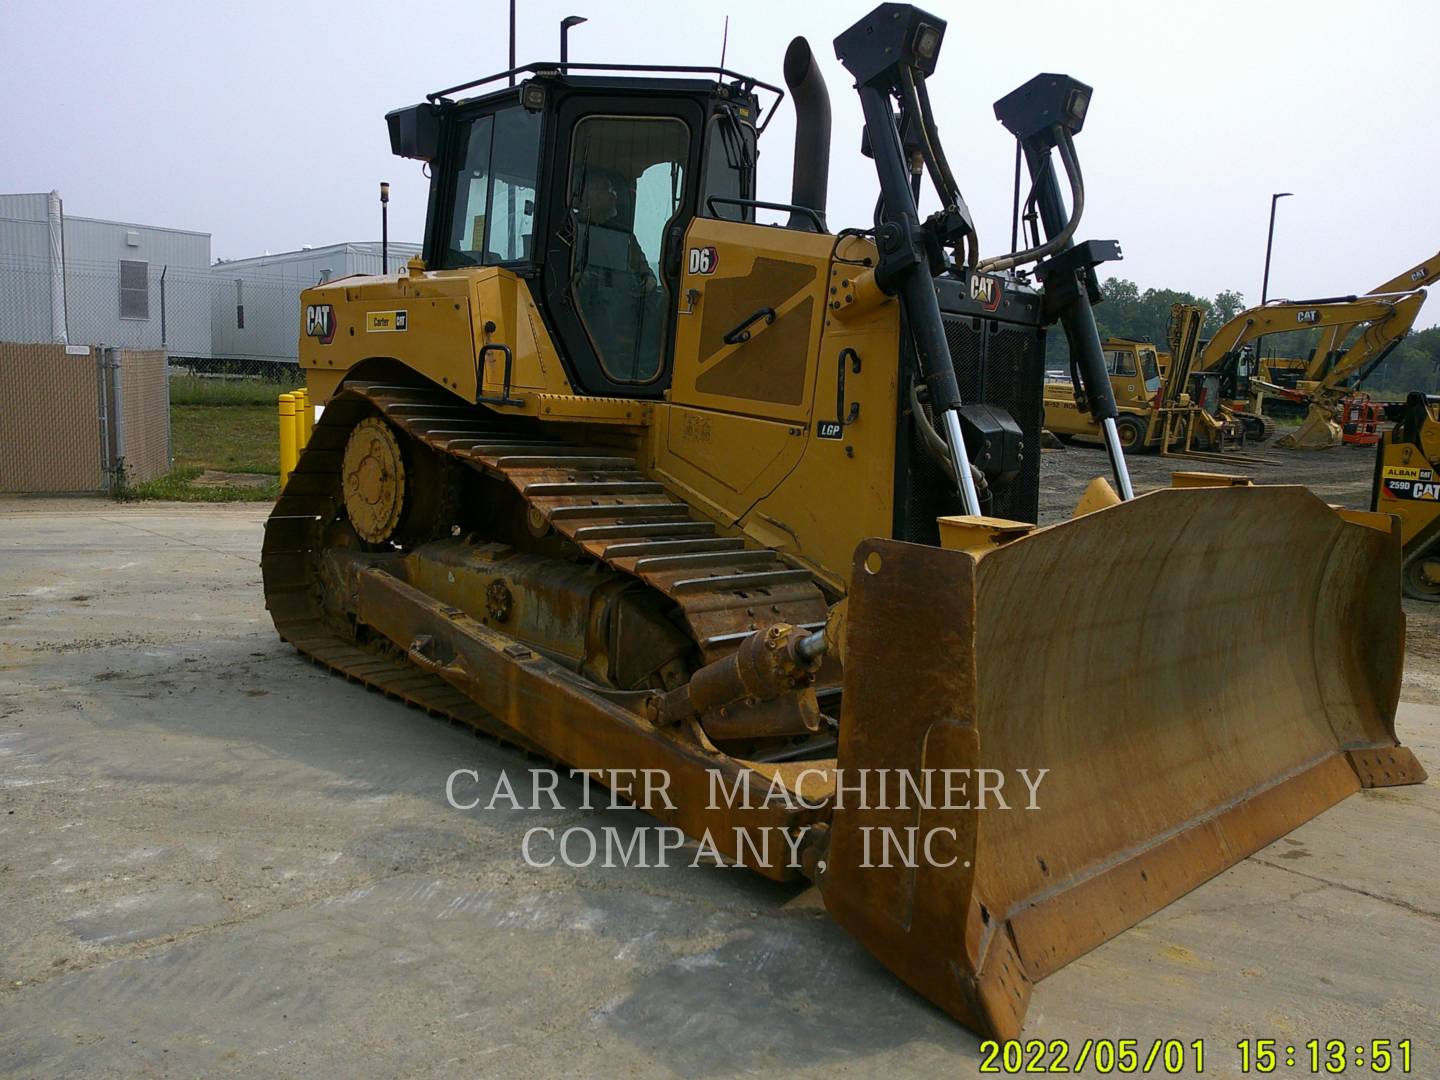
{"type": "Point", "coordinates": [811, 178]}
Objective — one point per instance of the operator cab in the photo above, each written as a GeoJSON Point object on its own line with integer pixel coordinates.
{"type": "Point", "coordinates": [1134, 371]}
{"type": "Point", "coordinates": [584, 186]}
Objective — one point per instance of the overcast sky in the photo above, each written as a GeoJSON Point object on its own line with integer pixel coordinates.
{"type": "Point", "coordinates": [262, 122]}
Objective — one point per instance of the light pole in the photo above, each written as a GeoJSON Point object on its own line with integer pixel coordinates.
{"type": "Point", "coordinates": [1269, 243]}
{"type": "Point", "coordinates": [384, 227]}
{"type": "Point", "coordinates": [565, 25]}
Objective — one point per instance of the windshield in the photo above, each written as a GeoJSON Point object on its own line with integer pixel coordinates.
{"type": "Point", "coordinates": [1150, 370]}
{"type": "Point", "coordinates": [493, 213]}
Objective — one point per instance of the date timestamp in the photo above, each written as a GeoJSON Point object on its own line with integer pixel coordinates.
{"type": "Point", "coordinates": [1134, 1057]}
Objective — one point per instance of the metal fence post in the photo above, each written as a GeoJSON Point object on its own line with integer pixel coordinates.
{"type": "Point", "coordinates": [102, 395]}
{"type": "Point", "coordinates": [117, 418]}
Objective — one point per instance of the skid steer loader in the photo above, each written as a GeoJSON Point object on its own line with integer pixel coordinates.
{"type": "Point", "coordinates": [1407, 485]}
{"type": "Point", "coordinates": [634, 481]}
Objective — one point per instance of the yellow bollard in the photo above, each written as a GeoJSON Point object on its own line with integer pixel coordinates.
{"type": "Point", "coordinates": [289, 448]}
{"type": "Point", "coordinates": [302, 433]}
{"type": "Point", "coordinates": [307, 412]}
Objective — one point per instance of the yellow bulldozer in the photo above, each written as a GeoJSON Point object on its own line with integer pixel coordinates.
{"type": "Point", "coordinates": [628, 478]}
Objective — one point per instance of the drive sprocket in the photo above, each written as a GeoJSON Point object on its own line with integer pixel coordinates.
{"type": "Point", "coordinates": [373, 472]}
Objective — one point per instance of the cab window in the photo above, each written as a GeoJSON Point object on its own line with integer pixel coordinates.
{"type": "Point", "coordinates": [1120, 362]}
{"type": "Point", "coordinates": [1150, 369]}
{"type": "Point", "coordinates": [729, 168]}
{"type": "Point", "coordinates": [493, 211]}
{"type": "Point", "coordinates": [627, 183]}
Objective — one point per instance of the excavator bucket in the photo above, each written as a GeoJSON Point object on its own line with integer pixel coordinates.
{"type": "Point", "coordinates": [1318, 431]}
{"type": "Point", "coordinates": [1155, 690]}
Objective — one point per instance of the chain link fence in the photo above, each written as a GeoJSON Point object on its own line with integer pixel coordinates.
{"type": "Point", "coordinates": [82, 419]}
{"type": "Point", "coordinates": [97, 341]}
{"type": "Point", "coordinates": [202, 321]}
{"type": "Point", "coordinates": [231, 319]}
{"type": "Point", "coordinates": [239, 318]}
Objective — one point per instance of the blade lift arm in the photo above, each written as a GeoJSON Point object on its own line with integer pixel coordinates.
{"type": "Point", "coordinates": [1044, 115]}
{"type": "Point", "coordinates": [890, 53]}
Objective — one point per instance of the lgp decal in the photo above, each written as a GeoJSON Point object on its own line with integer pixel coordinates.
{"type": "Point", "coordinates": [703, 260]}
{"type": "Point", "coordinates": [320, 322]}
{"type": "Point", "coordinates": [829, 429]}
{"type": "Point", "coordinates": [985, 291]}
{"type": "Point", "coordinates": [385, 322]}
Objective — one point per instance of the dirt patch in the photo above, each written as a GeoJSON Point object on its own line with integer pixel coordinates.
{"type": "Point", "coordinates": [1341, 476]}
{"type": "Point", "coordinates": [216, 478]}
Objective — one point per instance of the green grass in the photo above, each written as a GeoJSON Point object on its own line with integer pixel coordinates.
{"type": "Point", "coordinates": [198, 390]}
{"type": "Point", "coordinates": [235, 438]}
{"type": "Point", "coordinates": [231, 438]}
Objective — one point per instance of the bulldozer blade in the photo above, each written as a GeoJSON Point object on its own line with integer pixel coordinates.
{"type": "Point", "coordinates": [1198, 671]}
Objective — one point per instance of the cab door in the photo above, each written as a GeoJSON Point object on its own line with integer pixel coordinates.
{"type": "Point", "coordinates": [618, 208]}
{"type": "Point", "coordinates": [1124, 380]}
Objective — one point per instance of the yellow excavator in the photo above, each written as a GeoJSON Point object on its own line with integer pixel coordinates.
{"type": "Point", "coordinates": [626, 477]}
{"type": "Point", "coordinates": [1219, 394]}
{"type": "Point", "coordinates": [1407, 485]}
{"type": "Point", "coordinates": [1207, 395]}
{"type": "Point", "coordinates": [1286, 371]}
{"type": "Point", "coordinates": [1341, 360]}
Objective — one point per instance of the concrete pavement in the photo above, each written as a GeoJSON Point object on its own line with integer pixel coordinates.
{"type": "Point", "coordinates": [215, 858]}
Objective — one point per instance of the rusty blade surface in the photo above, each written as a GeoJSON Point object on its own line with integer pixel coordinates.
{"type": "Point", "coordinates": [1199, 671]}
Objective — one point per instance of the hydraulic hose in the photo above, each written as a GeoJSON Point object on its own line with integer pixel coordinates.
{"type": "Point", "coordinates": [1066, 146]}
{"type": "Point", "coordinates": [917, 96]}
{"type": "Point", "coordinates": [934, 442]}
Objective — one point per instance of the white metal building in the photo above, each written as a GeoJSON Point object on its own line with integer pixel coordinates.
{"type": "Point", "coordinates": [256, 301]}
{"type": "Point", "coordinates": [85, 281]}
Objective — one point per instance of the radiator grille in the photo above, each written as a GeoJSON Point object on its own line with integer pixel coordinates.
{"type": "Point", "coordinates": [998, 363]}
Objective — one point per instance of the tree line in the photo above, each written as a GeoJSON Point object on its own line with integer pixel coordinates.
{"type": "Point", "coordinates": [1144, 315]}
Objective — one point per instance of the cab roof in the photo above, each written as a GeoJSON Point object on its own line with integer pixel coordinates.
{"type": "Point", "coordinates": [723, 82]}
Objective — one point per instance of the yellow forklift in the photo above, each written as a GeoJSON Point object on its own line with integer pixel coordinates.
{"type": "Point", "coordinates": [1162, 403]}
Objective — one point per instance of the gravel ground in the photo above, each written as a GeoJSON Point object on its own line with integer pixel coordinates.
{"type": "Point", "coordinates": [216, 859]}
{"type": "Point", "coordinates": [1341, 476]}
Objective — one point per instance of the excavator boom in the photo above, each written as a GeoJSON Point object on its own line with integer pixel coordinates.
{"type": "Point", "coordinates": [1333, 372]}
{"type": "Point", "coordinates": [1417, 277]}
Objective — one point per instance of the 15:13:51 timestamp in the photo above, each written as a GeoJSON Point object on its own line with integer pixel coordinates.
{"type": "Point", "coordinates": [1325, 1056]}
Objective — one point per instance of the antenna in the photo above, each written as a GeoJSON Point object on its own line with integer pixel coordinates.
{"type": "Point", "coordinates": [512, 42]}
{"type": "Point", "coordinates": [725, 41]}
